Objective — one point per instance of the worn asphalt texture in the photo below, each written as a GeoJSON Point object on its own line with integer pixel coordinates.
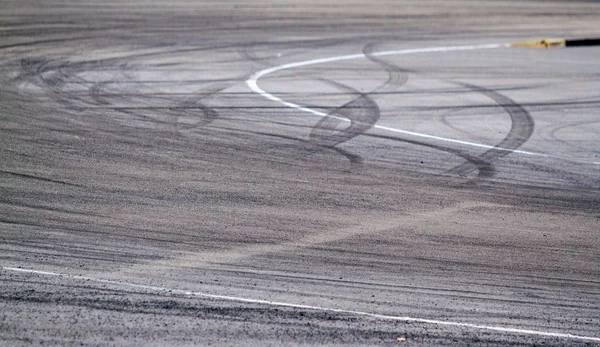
{"type": "Point", "coordinates": [158, 200]}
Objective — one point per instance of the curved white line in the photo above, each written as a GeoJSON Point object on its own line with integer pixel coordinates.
{"type": "Point", "coordinates": [252, 83]}
{"type": "Point", "coordinates": [311, 307]}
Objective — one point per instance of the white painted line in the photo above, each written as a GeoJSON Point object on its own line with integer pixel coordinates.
{"type": "Point", "coordinates": [310, 307]}
{"type": "Point", "coordinates": [252, 83]}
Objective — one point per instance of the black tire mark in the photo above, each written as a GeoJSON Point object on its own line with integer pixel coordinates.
{"type": "Point", "coordinates": [179, 51]}
{"type": "Point", "coordinates": [52, 75]}
{"type": "Point", "coordinates": [193, 108]}
{"type": "Point", "coordinates": [174, 114]}
{"type": "Point", "coordinates": [453, 90]}
{"type": "Point", "coordinates": [41, 42]}
{"type": "Point", "coordinates": [547, 105]}
{"type": "Point", "coordinates": [576, 179]}
{"type": "Point", "coordinates": [95, 92]}
{"type": "Point", "coordinates": [309, 147]}
{"type": "Point", "coordinates": [38, 178]}
{"type": "Point", "coordinates": [316, 138]}
{"type": "Point", "coordinates": [397, 77]}
{"type": "Point", "coordinates": [362, 113]}
{"type": "Point", "coordinates": [313, 147]}
{"type": "Point", "coordinates": [248, 52]}
{"type": "Point", "coordinates": [486, 169]}
{"type": "Point", "coordinates": [451, 112]}
{"type": "Point", "coordinates": [129, 233]}
{"type": "Point", "coordinates": [570, 144]}
{"type": "Point", "coordinates": [45, 208]}
{"type": "Point", "coordinates": [37, 69]}
{"type": "Point", "coordinates": [522, 126]}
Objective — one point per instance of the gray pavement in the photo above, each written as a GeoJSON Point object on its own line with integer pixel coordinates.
{"type": "Point", "coordinates": [150, 196]}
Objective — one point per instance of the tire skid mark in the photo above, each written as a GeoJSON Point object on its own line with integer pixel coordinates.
{"type": "Point", "coordinates": [485, 168]}
{"type": "Point", "coordinates": [41, 42]}
{"type": "Point", "coordinates": [326, 131]}
{"type": "Point", "coordinates": [325, 134]}
{"type": "Point", "coordinates": [573, 104]}
{"type": "Point", "coordinates": [173, 292]}
{"type": "Point", "coordinates": [455, 90]}
{"type": "Point", "coordinates": [380, 284]}
{"type": "Point", "coordinates": [314, 148]}
{"type": "Point", "coordinates": [450, 110]}
{"type": "Point", "coordinates": [117, 233]}
{"type": "Point", "coordinates": [399, 77]}
{"type": "Point", "coordinates": [95, 91]}
{"type": "Point", "coordinates": [52, 75]}
{"type": "Point", "coordinates": [570, 176]}
{"type": "Point", "coordinates": [358, 227]}
{"type": "Point", "coordinates": [554, 136]}
{"type": "Point", "coordinates": [39, 178]}
{"type": "Point", "coordinates": [248, 52]}
{"type": "Point", "coordinates": [252, 83]}
{"type": "Point", "coordinates": [362, 112]}
{"type": "Point", "coordinates": [67, 253]}
{"type": "Point", "coordinates": [522, 126]}
{"type": "Point", "coordinates": [331, 130]}
{"type": "Point", "coordinates": [174, 50]}
{"type": "Point", "coordinates": [21, 204]}
{"type": "Point", "coordinates": [172, 115]}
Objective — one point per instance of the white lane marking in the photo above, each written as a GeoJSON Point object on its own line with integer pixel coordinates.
{"type": "Point", "coordinates": [310, 307]}
{"type": "Point", "coordinates": [252, 83]}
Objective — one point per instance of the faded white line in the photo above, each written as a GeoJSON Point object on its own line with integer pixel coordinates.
{"type": "Point", "coordinates": [311, 307]}
{"type": "Point", "coordinates": [252, 83]}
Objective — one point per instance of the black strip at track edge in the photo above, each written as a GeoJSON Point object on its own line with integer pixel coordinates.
{"type": "Point", "coordinates": [582, 42]}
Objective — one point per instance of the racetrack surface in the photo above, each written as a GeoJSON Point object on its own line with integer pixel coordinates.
{"type": "Point", "coordinates": [298, 173]}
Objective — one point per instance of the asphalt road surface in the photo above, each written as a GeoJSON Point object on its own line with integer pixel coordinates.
{"type": "Point", "coordinates": [298, 173]}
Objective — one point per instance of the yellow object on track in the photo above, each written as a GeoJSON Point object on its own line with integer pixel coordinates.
{"type": "Point", "coordinates": [547, 43]}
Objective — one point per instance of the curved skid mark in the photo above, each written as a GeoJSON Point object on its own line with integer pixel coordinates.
{"type": "Point", "coordinates": [486, 169]}
{"type": "Point", "coordinates": [554, 136]}
{"type": "Point", "coordinates": [182, 115]}
{"type": "Point", "coordinates": [397, 77]}
{"type": "Point", "coordinates": [248, 51]}
{"type": "Point", "coordinates": [95, 92]}
{"type": "Point", "coordinates": [179, 117]}
{"type": "Point", "coordinates": [580, 180]}
{"type": "Point", "coordinates": [194, 108]}
{"type": "Point", "coordinates": [521, 129]}
{"type": "Point", "coordinates": [252, 83]}
{"type": "Point", "coordinates": [447, 112]}
{"type": "Point", "coordinates": [362, 113]}
{"type": "Point", "coordinates": [314, 147]}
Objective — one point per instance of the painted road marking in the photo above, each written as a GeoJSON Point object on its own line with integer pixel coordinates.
{"type": "Point", "coordinates": [310, 307]}
{"type": "Point", "coordinates": [252, 83]}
